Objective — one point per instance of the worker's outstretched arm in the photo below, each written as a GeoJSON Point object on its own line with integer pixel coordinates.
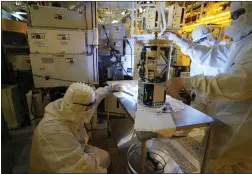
{"type": "Point", "coordinates": [214, 56]}
{"type": "Point", "coordinates": [102, 92]}
{"type": "Point", "coordinates": [226, 87]}
{"type": "Point", "coordinates": [63, 154]}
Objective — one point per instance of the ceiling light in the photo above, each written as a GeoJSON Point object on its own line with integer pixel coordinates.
{"type": "Point", "coordinates": [114, 21]}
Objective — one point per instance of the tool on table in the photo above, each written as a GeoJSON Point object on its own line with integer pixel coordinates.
{"type": "Point", "coordinates": [164, 109]}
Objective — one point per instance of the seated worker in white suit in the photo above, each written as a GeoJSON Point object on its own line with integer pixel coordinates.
{"type": "Point", "coordinates": [231, 147]}
{"type": "Point", "coordinates": [59, 143]}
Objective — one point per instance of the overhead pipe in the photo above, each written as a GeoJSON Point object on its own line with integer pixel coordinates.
{"type": "Point", "coordinates": [162, 9]}
{"type": "Point", "coordinates": [132, 18]}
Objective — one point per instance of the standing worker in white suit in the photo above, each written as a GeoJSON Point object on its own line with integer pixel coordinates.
{"type": "Point", "coordinates": [231, 149]}
{"type": "Point", "coordinates": [202, 35]}
{"type": "Point", "coordinates": [59, 143]}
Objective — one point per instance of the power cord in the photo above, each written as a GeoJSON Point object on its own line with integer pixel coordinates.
{"type": "Point", "coordinates": [155, 164]}
{"type": "Point", "coordinates": [48, 78]}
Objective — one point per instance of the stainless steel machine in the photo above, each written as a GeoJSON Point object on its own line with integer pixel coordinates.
{"type": "Point", "coordinates": [154, 69]}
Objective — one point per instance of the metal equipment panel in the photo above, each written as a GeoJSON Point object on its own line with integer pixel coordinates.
{"type": "Point", "coordinates": [64, 69]}
{"type": "Point", "coordinates": [56, 41]}
{"type": "Point", "coordinates": [150, 19]}
{"type": "Point", "coordinates": [117, 31]}
{"type": "Point", "coordinates": [175, 16]}
{"type": "Point", "coordinates": [44, 16]}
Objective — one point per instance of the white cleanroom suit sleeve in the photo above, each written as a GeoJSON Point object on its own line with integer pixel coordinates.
{"type": "Point", "coordinates": [63, 154]}
{"type": "Point", "coordinates": [215, 56]}
{"type": "Point", "coordinates": [101, 93]}
{"type": "Point", "coordinates": [225, 87]}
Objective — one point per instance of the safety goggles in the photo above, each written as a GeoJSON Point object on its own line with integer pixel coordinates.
{"type": "Point", "coordinates": [87, 105]}
{"type": "Point", "coordinates": [235, 15]}
{"type": "Point", "coordinates": [201, 40]}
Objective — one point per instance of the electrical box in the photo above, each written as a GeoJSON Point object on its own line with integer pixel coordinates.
{"type": "Point", "coordinates": [150, 18]}
{"type": "Point", "coordinates": [118, 44]}
{"type": "Point", "coordinates": [20, 62]}
{"type": "Point", "coordinates": [52, 70]}
{"type": "Point", "coordinates": [175, 16]}
{"type": "Point", "coordinates": [13, 106]}
{"type": "Point", "coordinates": [56, 41]}
{"type": "Point", "coordinates": [45, 16]}
{"type": "Point", "coordinates": [151, 94]}
{"type": "Point", "coordinates": [117, 31]}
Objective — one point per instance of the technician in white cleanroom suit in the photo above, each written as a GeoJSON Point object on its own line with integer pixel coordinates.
{"type": "Point", "coordinates": [59, 142]}
{"type": "Point", "coordinates": [203, 36]}
{"type": "Point", "coordinates": [231, 149]}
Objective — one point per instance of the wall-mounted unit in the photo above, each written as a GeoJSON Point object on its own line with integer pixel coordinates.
{"type": "Point", "coordinates": [54, 70]}
{"type": "Point", "coordinates": [45, 16]}
{"type": "Point", "coordinates": [56, 41]}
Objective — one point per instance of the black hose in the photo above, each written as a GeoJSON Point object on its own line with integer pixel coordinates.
{"type": "Point", "coordinates": [48, 78]}
{"type": "Point", "coordinates": [153, 163]}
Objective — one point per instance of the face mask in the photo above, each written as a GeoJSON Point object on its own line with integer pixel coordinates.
{"type": "Point", "coordinates": [239, 28]}
{"type": "Point", "coordinates": [89, 115]}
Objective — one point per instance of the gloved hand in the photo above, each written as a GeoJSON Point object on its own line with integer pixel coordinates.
{"type": "Point", "coordinates": [170, 36]}
{"type": "Point", "coordinates": [184, 44]}
{"type": "Point", "coordinates": [116, 88]}
{"type": "Point", "coordinates": [88, 148]}
{"type": "Point", "coordinates": [174, 86]}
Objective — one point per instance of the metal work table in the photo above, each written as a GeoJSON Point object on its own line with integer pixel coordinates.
{"type": "Point", "coordinates": [188, 118]}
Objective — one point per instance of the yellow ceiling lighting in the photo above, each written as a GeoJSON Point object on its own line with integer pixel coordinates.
{"type": "Point", "coordinates": [220, 21]}
{"type": "Point", "coordinates": [227, 13]}
{"type": "Point", "coordinates": [220, 8]}
{"type": "Point", "coordinates": [224, 22]}
{"type": "Point", "coordinates": [207, 18]}
{"type": "Point", "coordinates": [213, 18]}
